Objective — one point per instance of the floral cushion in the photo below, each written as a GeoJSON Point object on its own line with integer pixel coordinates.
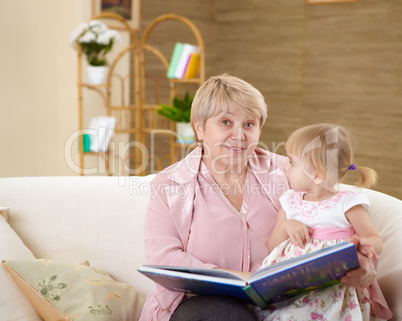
{"type": "Point", "coordinates": [13, 304]}
{"type": "Point", "coordinates": [62, 291]}
{"type": "Point", "coordinates": [4, 212]}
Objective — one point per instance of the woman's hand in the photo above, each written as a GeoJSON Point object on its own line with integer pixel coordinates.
{"type": "Point", "coordinates": [363, 276]}
{"type": "Point", "coordinates": [242, 274]}
{"type": "Point", "coordinates": [366, 274]}
{"type": "Point", "coordinates": [298, 232]}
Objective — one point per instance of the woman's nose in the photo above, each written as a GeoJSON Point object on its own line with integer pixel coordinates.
{"type": "Point", "coordinates": [238, 133]}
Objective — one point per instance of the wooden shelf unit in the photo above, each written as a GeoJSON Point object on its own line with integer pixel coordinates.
{"type": "Point", "coordinates": [138, 119]}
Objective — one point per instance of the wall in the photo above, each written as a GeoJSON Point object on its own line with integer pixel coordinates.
{"type": "Point", "coordinates": [38, 101]}
{"type": "Point", "coordinates": [313, 63]}
{"type": "Point", "coordinates": [338, 63]}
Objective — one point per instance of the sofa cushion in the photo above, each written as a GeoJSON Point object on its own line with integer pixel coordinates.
{"type": "Point", "coordinates": [73, 219]}
{"type": "Point", "coordinates": [14, 305]}
{"type": "Point", "coordinates": [62, 291]}
{"type": "Point", "coordinates": [4, 212]}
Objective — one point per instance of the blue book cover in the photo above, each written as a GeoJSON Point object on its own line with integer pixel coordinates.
{"type": "Point", "coordinates": [269, 285]}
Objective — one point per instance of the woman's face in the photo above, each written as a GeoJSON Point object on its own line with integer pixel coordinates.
{"type": "Point", "coordinates": [228, 138]}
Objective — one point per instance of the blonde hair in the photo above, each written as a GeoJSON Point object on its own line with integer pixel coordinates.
{"type": "Point", "coordinates": [219, 93]}
{"type": "Point", "coordinates": [327, 149]}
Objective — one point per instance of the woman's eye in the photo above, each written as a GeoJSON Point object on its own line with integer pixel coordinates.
{"type": "Point", "coordinates": [250, 125]}
{"type": "Point", "coordinates": [225, 122]}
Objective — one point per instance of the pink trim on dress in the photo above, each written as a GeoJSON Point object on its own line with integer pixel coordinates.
{"type": "Point", "coordinates": [332, 233]}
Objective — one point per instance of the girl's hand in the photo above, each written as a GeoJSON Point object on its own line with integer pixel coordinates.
{"type": "Point", "coordinates": [364, 246]}
{"type": "Point", "coordinates": [298, 232]}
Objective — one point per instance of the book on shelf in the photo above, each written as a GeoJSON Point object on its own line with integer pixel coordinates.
{"type": "Point", "coordinates": [270, 285]}
{"type": "Point", "coordinates": [192, 67]}
{"type": "Point", "coordinates": [178, 48]}
{"type": "Point", "coordinates": [184, 59]}
{"type": "Point", "coordinates": [86, 142]}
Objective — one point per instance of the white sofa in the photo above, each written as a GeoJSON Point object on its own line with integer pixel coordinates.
{"type": "Point", "coordinates": [100, 220]}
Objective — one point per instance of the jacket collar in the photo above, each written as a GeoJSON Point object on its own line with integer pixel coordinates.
{"type": "Point", "coordinates": [186, 170]}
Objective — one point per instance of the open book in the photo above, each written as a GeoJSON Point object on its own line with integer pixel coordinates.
{"type": "Point", "coordinates": [269, 285]}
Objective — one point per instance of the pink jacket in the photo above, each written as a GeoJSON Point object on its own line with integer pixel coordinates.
{"type": "Point", "coordinates": [170, 210]}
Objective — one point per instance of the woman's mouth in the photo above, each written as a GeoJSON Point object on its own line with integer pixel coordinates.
{"type": "Point", "coordinates": [236, 148]}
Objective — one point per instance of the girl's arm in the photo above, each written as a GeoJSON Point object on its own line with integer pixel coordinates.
{"type": "Point", "coordinates": [298, 232]}
{"type": "Point", "coordinates": [278, 234]}
{"type": "Point", "coordinates": [365, 230]}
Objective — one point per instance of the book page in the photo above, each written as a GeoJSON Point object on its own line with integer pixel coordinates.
{"type": "Point", "coordinates": [206, 272]}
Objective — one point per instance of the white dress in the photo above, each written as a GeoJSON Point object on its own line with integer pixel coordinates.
{"type": "Point", "coordinates": [339, 302]}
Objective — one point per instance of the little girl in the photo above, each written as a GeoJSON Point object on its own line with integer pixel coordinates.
{"type": "Point", "coordinates": [315, 215]}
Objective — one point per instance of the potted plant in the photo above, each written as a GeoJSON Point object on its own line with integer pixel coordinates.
{"type": "Point", "coordinates": [95, 40]}
{"type": "Point", "coordinates": [180, 112]}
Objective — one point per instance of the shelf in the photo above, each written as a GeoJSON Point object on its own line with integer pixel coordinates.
{"type": "Point", "coordinates": [189, 80]}
{"type": "Point", "coordinates": [138, 120]}
{"type": "Point", "coordinates": [176, 145]}
{"type": "Point", "coordinates": [96, 153]}
{"type": "Point", "coordinates": [95, 86]}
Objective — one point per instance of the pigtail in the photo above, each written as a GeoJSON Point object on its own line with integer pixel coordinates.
{"type": "Point", "coordinates": [368, 176]}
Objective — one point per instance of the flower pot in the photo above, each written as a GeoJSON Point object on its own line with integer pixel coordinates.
{"type": "Point", "coordinates": [185, 133]}
{"type": "Point", "coordinates": [96, 74]}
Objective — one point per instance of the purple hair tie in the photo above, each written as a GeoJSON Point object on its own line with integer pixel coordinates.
{"type": "Point", "coordinates": [352, 167]}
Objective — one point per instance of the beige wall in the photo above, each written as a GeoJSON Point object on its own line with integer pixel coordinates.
{"type": "Point", "coordinates": [334, 63]}
{"type": "Point", "coordinates": [38, 101]}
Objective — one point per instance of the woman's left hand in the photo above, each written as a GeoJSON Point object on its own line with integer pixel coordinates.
{"type": "Point", "coordinates": [363, 276]}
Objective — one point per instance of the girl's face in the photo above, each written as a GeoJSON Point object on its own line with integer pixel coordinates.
{"type": "Point", "coordinates": [299, 178]}
{"type": "Point", "coordinates": [229, 139]}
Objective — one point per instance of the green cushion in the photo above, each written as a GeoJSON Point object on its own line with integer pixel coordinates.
{"type": "Point", "coordinates": [73, 292]}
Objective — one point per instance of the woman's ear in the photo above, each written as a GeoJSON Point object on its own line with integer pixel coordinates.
{"type": "Point", "coordinates": [198, 130]}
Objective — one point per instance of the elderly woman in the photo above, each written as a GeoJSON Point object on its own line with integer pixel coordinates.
{"type": "Point", "coordinates": [217, 207]}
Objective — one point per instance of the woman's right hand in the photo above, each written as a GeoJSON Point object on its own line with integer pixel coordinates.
{"type": "Point", "coordinates": [244, 275]}
{"type": "Point", "coordinates": [298, 232]}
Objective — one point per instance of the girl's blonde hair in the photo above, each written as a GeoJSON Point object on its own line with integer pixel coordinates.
{"type": "Point", "coordinates": [219, 93]}
{"type": "Point", "coordinates": [326, 148]}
